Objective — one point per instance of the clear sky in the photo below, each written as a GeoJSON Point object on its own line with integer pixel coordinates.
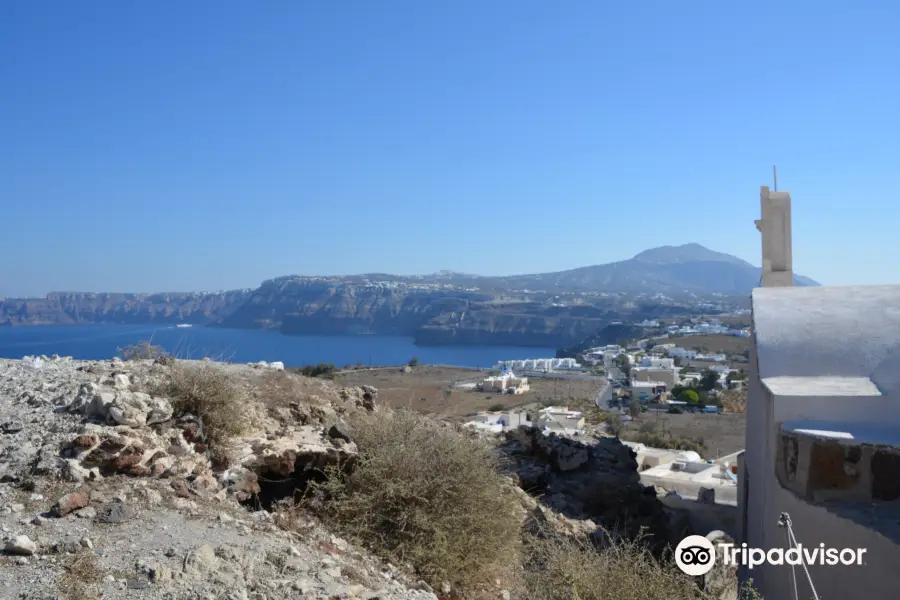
{"type": "Point", "coordinates": [199, 145]}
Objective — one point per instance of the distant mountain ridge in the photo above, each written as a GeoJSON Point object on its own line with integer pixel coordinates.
{"type": "Point", "coordinates": [667, 255]}
{"type": "Point", "coordinates": [686, 268]}
{"type": "Point", "coordinates": [668, 269]}
{"type": "Point", "coordinates": [545, 309]}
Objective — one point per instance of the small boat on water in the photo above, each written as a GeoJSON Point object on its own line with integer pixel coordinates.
{"type": "Point", "coordinates": [183, 325]}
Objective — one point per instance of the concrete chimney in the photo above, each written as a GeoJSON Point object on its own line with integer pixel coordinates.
{"type": "Point", "coordinates": [775, 227]}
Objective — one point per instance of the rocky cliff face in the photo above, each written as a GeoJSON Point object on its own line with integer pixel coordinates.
{"type": "Point", "coordinates": [294, 305]}
{"type": "Point", "coordinates": [299, 305]}
{"type": "Point", "coordinates": [514, 325]}
{"type": "Point", "coordinates": [67, 308]}
{"type": "Point", "coordinates": [432, 316]}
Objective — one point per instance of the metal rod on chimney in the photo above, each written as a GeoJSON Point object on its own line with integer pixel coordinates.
{"type": "Point", "coordinates": [775, 178]}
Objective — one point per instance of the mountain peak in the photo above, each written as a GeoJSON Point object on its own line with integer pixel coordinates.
{"type": "Point", "coordinates": [668, 255]}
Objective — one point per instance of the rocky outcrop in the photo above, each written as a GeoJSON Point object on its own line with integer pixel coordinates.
{"type": "Point", "coordinates": [594, 481]}
{"type": "Point", "coordinates": [105, 493]}
{"type": "Point", "coordinates": [302, 305]}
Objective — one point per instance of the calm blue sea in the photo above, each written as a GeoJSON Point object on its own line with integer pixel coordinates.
{"type": "Point", "coordinates": [97, 342]}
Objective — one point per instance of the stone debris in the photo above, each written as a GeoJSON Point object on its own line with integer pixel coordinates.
{"type": "Point", "coordinates": [21, 545]}
{"type": "Point", "coordinates": [115, 512]}
{"type": "Point", "coordinates": [585, 487]}
{"type": "Point", "coordinates": [70, 502]}
{"type": "Point", "coordinates": [13, 426]}
{"type": "Point", "coordinates": [112, 477]}
{"type": "Point", "coordinates": [96, 468]}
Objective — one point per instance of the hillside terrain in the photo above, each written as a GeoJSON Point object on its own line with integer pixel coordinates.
{"type": "Point", "coordinates": [174, 480]}
{"type": "Point", "coordinates": [549, 309]}
{"type": "Point", "coordinates": [614, 334]}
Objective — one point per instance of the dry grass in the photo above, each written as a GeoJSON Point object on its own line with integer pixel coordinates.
{"type": "Point", "coordinates": [721, 434]}
{"type": "Point", "coordinates": [211, 395]}
{"type": "Point", "coordinates": [735, 401]}
{"type": "Point", "coordinates": [279, 390]}
{"type": "Point", "coordinates": [728, 344]}
{"type": "Point", "coordinates": [564, 568]}
{"type": "Point", "coordinates": [426, 495]}
{"type": "Point", "coordinates": [434, 390]}
{"type": "Point", "coordinates": [81, 578]}
{"type": "Point", "coordinates": [143, 350]}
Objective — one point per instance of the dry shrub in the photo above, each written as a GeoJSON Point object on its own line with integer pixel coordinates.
{"type": "Point", "coordinates": [558, 567]}
{"type": "Point", "coordinates": [143, 350]}
{"type": "Point", "coordinates": [425, 495]}
{"type": "Point", "coordinates": [211, 395]}
{"type": "Point", "coordinates": [278, 390]}
{"type": "Point", "coordinates": [735, 401]}
{"type": "Point", "coordinates": [614, 424]}
{"type": "Point", "coordinates": [81, 578]}
{"type": "Point", "coordinates": [657, 439]}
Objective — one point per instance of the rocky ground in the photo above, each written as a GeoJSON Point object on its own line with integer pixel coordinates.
{"type": "Point", "coordinates": [588, 488]}
{"type": "Point", "coordinates": [104, 494]}
{"type": "Point", "coordinates": [108, 490]}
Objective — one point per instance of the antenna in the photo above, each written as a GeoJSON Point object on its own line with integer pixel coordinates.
{"type": "Point", "coordinates": [775, 178]}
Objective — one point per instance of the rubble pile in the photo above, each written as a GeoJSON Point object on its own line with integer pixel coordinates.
{"type": "Point", "coordinates": [99, 476]}
{"type": "Point", "coordinates": [586, 486]}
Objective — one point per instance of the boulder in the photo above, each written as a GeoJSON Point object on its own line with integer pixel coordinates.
{"type": "Point", "coordinates": [200, 562]}
{"type": "Point", "coordinates": [364, 396]}
{"type": "Point", "coordinates": [13, 426]}
{"type": "Point", "coordinates": [72, 470]}
{"type": "Point", "coordinates": [339, 431]}
{"type": "Point", "coordinates": [85, 395]}
{"type": "Point", "coordinates": [115, 512]}
{"type": "Point", "coordinates": [97, 408]}
{"type": "Point", "coordinates": [71, 502]}
{"type": "Point", "coordinates": [21, 545]}
{"type": "Point", "coordinates": [122, 407]}
{"type": "Point", "coordinates": [136, 409]}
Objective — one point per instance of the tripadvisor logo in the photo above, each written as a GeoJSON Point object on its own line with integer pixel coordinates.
{"type": "Point", "coordinates": [695, 555]}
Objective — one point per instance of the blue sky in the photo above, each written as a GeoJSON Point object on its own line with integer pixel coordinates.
{"type": "Point", "coordinates": [150, 146]}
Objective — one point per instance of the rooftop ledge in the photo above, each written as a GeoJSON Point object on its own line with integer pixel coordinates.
{"type": "Point", "coordinates": [839, 462]}
{"type": "Point", "coordinates": [821, 386]}
{"type": "Point", "coordinates": [845, 433]}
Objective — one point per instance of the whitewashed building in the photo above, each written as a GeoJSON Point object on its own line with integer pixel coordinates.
{"type": "Point", "coordinates": [506, 382]}
{"type": "Point", "coordinates": [677, 352]}
{"type": "Point", "coordinates": [656, 362]}
{"type": "Point", "coordinates": [540, 364]}
{"type": "Point", "coordinates": [823, 425]}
